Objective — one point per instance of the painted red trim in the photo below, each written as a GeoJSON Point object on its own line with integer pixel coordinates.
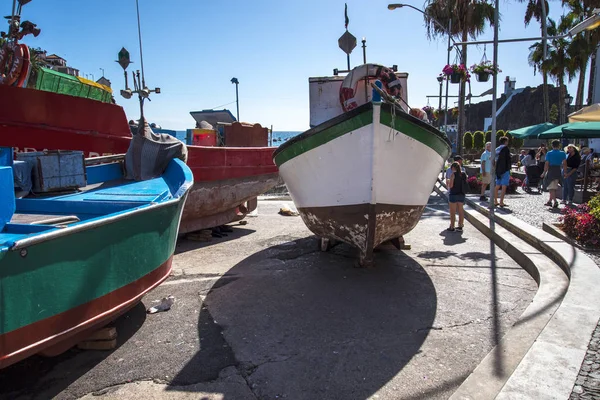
{"type": "Point", "coordinates": [68, 326]}
{"type": "Point", "coordinates": [37, 107]}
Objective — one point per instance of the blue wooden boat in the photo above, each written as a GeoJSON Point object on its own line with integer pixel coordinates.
{"type": "Point", "coordinates": [71, 262]}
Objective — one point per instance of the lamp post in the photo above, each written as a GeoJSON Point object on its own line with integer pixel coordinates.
{"type": "Point", "coordinates": [102, 69]}
{"type": "Point", "coordinates": [568, 101]}
{"type": "Point", "coordinates": [440, 79]}
{"type": "Point", "coordinates": [237, 102]}
{"type": "Point", "coordinates": [443, 29]}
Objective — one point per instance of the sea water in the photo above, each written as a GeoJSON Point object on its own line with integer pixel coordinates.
{"type": "Point", "coordinates": [279, 137]}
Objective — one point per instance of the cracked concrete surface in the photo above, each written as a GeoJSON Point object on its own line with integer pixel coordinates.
{"type": "Point", "coordinates": [268, 316]}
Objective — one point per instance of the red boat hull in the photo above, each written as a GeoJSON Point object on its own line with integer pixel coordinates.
{"type": "Point", "coordinates": [224, 177]}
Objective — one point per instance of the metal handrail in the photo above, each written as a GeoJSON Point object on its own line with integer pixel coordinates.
{"type": "Point", "coordinates": [104, 159]}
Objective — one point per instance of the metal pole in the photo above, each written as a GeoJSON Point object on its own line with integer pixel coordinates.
{"type": "Point", "coordinates": [447, 62]}
{"type": "Point", "coordinates": [494, 110]}
{"type": "Point", "coordinates": [140, 38]}
{"type": "Point", "coordinates": [364, 47]}
{"type": "Point", "coordinates": [544, 28]}
{"type": "Point", "coordinates": [530, 39]}
{"type": "Point", "coordinates": [440, 105]}
{"type": "Point", "coordinates": [237, 102]}
{"type": "Point", "coordinates": [348, 59]}
{"type": "Point", "coordinates": [12, 16]}
{"type": "Point", "coordinates": [102, 69]}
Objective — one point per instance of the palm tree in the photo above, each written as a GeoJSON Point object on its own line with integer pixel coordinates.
{"type": "Point", "coordinates": [535, 58]}
{"type": "Point", "coordinates": [535, 11]}
{"type": "Point", "coordinates": [584, 45]}
{"type": "Point", "coordinates": [468, 18]}
{"type": "Point", "coordinates": [559, 62]}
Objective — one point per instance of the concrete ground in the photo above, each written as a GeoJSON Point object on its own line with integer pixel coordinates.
{"type": "Point", "coordinates": [263, 314]}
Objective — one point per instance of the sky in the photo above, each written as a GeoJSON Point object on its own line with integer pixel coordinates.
{"type": "Point", "coordinates": [193, 48]}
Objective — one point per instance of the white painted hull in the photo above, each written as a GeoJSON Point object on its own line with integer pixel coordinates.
{"type": "Point", "coordinates": [361, 181]}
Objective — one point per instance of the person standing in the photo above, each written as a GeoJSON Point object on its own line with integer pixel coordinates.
{"type": "Point", "coordinates": [503, 164]}
{"type": "Point", "coordinates": [570, 174]}
{"type": "Point", "coordinates": [456, 197]}
{"type": "Point", "coordinates": [555, 160]}
{"type": "Point", "coordinates": [541, 155]}
{"type": "Point", "coordinates": [459, 160]}
{"type": "Point", "coordinates": [486, 169]}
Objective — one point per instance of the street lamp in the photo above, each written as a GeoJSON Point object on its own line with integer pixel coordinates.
{"type": "Point", "coordinates": [440, 79]}
{"type": "Point", "coordinates": [568, 101]}
{"type": "Point", "coordinates": [237, 103]}
{"type": "Point", "coordinates": [448, 32]}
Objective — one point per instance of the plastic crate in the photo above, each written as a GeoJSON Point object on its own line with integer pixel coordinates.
{"type": "Point", "coordinates": [55, 170]}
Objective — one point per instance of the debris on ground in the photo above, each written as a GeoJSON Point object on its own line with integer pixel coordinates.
{"type": "Point", "coordinates": [288, 212]}
{"type": "Point", "coordinates": [243, 222]}
{"type": "Point", "coordinates": [165, 305]}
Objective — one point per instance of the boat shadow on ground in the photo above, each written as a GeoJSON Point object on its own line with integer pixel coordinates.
{"type": "Point", "coordinates": [301, 323]}
{"type": "Point", "coordinates": [184, 244]}
{"type": "Point", "coordinates": [47, 377]}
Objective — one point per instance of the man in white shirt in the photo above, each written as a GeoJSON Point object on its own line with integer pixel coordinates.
{"type": "Point", "coordinates": [486, 169]}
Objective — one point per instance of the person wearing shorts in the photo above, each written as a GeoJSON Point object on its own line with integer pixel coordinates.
{"type": "Point", "coordinates": [503, 163]}
{"type": "Point", "coordinates": [486, 170]}
{"type": "Point", "coordinates": [456, 197]}
{"type": "Point", "coordinates": [556, 162]}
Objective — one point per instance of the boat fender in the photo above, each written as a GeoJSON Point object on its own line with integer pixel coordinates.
{"type": "Point", "coordinates": [391, 83]}
{"type": "Point", "coordinates": [26, 69]}
{"type": "Point", "coordinates": [11, 60]}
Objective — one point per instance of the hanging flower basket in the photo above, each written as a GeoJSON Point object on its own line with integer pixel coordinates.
{"type": "Point", "coordinates": [455, 77]}
{"type": "Point", "coordinates": [482, 76]}
{"type": "Point", "coordinates": [484, 69]}
{"type": "Point", "coordinates": [456, 73]}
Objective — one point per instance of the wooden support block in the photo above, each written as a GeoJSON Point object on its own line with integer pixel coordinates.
{"type": "Point", "coordinates": [103, 334]}
{"type": "Point", "coordinates": [97, 344]}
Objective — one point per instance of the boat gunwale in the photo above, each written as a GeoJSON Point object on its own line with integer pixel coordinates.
{"type": "Point", "coordinates": [324, 126]}
{"type": "Point", "coordinates": [81, 227]}
{"type": "Point", "coordinates": [386, 107]}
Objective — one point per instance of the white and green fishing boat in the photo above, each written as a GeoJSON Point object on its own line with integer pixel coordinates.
{"type": "Point", "coordinates": [365, 176]}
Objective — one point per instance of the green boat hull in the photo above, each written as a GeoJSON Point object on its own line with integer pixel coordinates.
{"type": "Point", "coordinates": [53, 290]}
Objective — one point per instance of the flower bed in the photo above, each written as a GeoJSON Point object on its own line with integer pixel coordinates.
{"type": "Point", "coordinates": [474, 183]}
{"type": "Point", "coordinates": [582, 223]}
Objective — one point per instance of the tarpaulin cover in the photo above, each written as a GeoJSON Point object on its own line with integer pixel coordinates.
{"type": "Point", "coordinates": [150, 153]}
{"type": "Point", "coordinates": [57, 82]}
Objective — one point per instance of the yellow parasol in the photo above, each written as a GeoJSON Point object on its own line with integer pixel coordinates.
{"type": "Point", "coordinates": [586, 114]}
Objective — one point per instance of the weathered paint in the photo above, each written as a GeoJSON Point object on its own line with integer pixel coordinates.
{"type": "Point", "coordinates": [214, 203]}
{"type": "Point", "coordinates": [32, 119]}
{"type": "Point", "coordinates": [365, 186]}
{"type": "Point", "coordinates": [364, 226]}
{"type": "Point", "coordinates": [82, 268]}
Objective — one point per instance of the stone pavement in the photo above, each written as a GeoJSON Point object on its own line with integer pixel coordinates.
{"type": "Point", "coordinates": [264, 314]}
{"type": "Point", "coordinates": [529, 207]}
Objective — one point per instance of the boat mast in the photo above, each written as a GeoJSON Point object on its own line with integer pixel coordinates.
{"type": "Point", "coordinates": [139, 81]}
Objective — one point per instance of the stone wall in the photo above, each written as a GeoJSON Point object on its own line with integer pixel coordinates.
{"type": "Point", "coordinates": [525, 109]}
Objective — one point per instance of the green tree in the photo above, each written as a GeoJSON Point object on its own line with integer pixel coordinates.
{"type": "Point", "coordinates": [499, 134]}
{"type": "Point", "coordinates": [559, 63]}
{"type": "Point", "coordinates": [584, 44]}
{"type": "Point", "coordinates": [478, 140]}
{"type": "Point", "coordinates": [468, 18]}
{"type": "Point", "coordinates": [510, 139]}
{"type": "Point", "coordinates": [535, 11]}
{"type": "Point", "coordinates": [488, 136]}
{"type": "Point", "coordinates": [468, 140]}
{"type": "Point", "coordinates": [518, 142]}
{"type": "Point", "coordinates": [553, 113]}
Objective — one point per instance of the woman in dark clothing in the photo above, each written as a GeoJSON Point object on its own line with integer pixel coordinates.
{"type": "Point", "coordinates": [570, 174]}
{"type": "Point", "coordinates": [456, 197]}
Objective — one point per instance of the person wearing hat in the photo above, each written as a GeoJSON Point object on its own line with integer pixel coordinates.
{"type": "Point", "coordinates": [449, 171]}
{"type": "Point", "coordinates": [570, 174]}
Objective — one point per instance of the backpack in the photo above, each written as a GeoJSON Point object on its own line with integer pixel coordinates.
{"type": "Point", "coordinates": [460, 185]}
